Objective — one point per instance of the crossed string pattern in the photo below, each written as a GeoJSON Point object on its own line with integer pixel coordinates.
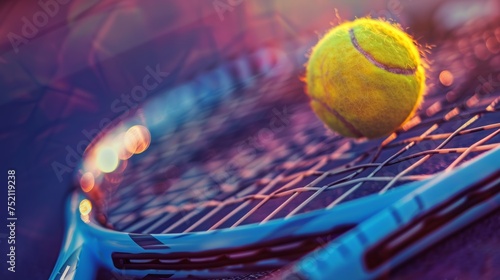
{"type": "Point", "coordinates": [301, 168]}
{"type": "Point", "coordinates": [238, 166]}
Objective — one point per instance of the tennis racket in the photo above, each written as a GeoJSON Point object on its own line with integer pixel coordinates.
{"type": "Point", "coordinates": [232, 174]}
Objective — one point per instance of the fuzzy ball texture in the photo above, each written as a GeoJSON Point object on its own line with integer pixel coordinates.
{"type": "Point", "coordinates": [365, 78]}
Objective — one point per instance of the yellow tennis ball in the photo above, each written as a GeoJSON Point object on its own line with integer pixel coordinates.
{"type": "Point", "coordinates": [365, 78]}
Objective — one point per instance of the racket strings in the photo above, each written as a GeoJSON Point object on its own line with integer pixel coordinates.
{"type": "Point", "coordinates": [292, 189]}
{"type": "Point", "coordinates": [231, 168]}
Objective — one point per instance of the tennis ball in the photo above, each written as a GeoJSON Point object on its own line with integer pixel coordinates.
{"type": "Point", "coordinates": [365, 78]}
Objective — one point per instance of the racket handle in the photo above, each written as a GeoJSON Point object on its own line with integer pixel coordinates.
{"type": "Point", "coordinates": [445, 204]}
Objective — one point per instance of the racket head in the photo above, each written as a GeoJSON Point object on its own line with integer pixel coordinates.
{"type": "Point", "coordinates": [438, 126]}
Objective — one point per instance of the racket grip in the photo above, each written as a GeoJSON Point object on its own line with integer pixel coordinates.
{"type": "Point", "coordinates": [440, 207]}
